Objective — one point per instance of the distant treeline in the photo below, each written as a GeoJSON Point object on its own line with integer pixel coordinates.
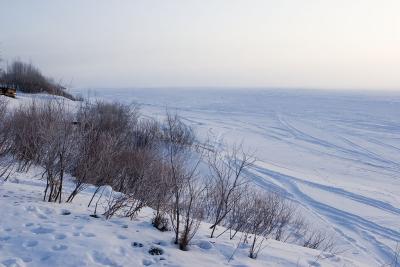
{"type": "Point", "coordinates": [27, 78]}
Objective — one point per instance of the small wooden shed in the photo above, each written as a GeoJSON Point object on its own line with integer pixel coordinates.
{"type": "Point", "coordinates": [7, 90]}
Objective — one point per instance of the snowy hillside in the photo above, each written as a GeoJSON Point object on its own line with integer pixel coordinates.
{"type": "Point", "coordinates": [340, 165]}
{"type": "Point", "coordinates": [337, 154]}
{"type": "Point", "coordinates": [37, 233]}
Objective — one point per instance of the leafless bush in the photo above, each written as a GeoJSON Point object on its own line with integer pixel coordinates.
{"type": "Point", "coordinates": [240, 216]}
{"type": "Point", "coordinates": [193, 211]}
{"type": "Point", "coordinates": [177, 134]}
{"type": "Point", "coordinates": [161, 180]}
{"type": "Point", "coordinates": [186, 202]}
{"type": "Point", "coordinates": [227, 183]}
{"type": "Point", "coordinates": [187, 199]}
{"type": "Point", "coordinates": [24, 135]}
{"type": "Point", "coordinates": [93, 162]}
{"type": "Point", "coordinates": [114, 118]}
{"type": "Point", "coordinates": [147, 133]}
{"type": "Point", "coordinates": [317, 239]}
{"type": "Point", "coordinates": [268, 211]}
{"type": "Point", "coordinates": [134, 180]}
{"type": "Point", "coordinates": [57, 149]}
{"type": "Point", "coordinates": [160, 221]}
{"type": "Point", "coordinates": [101, 130]}
{"type": "Point", "coordinates": [5, 144]}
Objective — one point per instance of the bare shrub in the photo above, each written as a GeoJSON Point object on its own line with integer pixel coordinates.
{"type": "Point", "coordinates": [177, 133]}
{"type": "Point", "coordinates": [5, 143]}
{"type": "Point", "coordinates": [101, 130]}
{"type": "Point", "coordinates": [193, 211]}
{"type": "Point", "coordinates": [317, 239]}
{"type": "Point", "coordinates": [268, 210]}
{"type": "Point", "coordinates": [186, 203]}
{"type": "Point", "coordinates": [114, 118]}
{"type": "Point", "coordinates": [56, 136]}
{"type": "Point", "coordinates": [160, 221]}
{"type": "Point", "coordinates": [227, 182]}
{"type": "Point", "coordinates": [147, 133]}
{"type": "Point", "coordinates": [161, 180]}
{"type": "Point", "coordinates": [134, 181]}
{"type": "Point", "coordinates": [240, 216]}
{"type": "Point", "coordinates": [24, 135]}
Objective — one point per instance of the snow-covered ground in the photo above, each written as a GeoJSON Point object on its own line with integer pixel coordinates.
{"type": "Point", "coordinates": [37, 233]}
{"type": "Point", "coordinates": [337, 154]}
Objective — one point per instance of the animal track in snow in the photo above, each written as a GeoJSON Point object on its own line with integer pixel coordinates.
{"type": "Point", "coordinates": [59, 247]}
{"type": "Point", "coordinates": [102, 259]}
{"type": "Point", "coordinates": [60, 236]}
{"type": "Point", "coordinates": [42, 230]}
{"type": "Point", "coordinates": [30, 243]}
{"type": "Point", "coordinates": [89, 234]}
{"type": "Point", "coordinates": [122, 237]}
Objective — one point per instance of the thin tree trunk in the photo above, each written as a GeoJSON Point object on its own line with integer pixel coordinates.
{"type": "Point", "coordinates": [94, 194]}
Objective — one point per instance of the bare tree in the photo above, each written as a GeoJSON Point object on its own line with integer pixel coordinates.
{"type": "Point", "coordinates": [184, 160]}
{"type": "Point", "coordinates": [227, 182]}
{"type": "Point", "coordinates": [57, 147]}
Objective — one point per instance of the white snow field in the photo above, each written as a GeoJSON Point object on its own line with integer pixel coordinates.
{"type": "Point", "coordinates": [336, 154]}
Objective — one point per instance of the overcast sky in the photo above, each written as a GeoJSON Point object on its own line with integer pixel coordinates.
{"type": "Point", "coordinates": [344, 44]}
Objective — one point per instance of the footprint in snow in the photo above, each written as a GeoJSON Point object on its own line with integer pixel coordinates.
{"type": "Point", "coordinates": [122, 237]}
{"type": "Point", "coordinates": [30, 243]}
{"type": "Point", "coordinates": [59, 247]}
{"type": "Point", "coordinates": [204, 245]}
{"type": "Point", "coordinates": [42, 230]}
{"type": "Point", "coordinates": [137, 244]}
{"type": "Point", "coordinates": [27, 259]}
{"type": "Point", "coordinates": [147, 262]}
{"type": "Point", "coordinates": [60, 236]}
{"type": "Point", "coordinates": [29, 224]}
{"type": "Point", "coordinates": [160, 243]}
{"type": "Point", "coordinates": [65, 212]}
{"type": "Point", "coordinates": [89, 234]}
{"type": "Point", "coordinates": [101, 258]}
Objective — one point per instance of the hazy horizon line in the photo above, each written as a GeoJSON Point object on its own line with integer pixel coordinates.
{"type": "Point", "coordinates": [252, 88]}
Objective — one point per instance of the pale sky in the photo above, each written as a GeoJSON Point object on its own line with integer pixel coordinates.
{"type": "Point", "coordinates": [332, 44]}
